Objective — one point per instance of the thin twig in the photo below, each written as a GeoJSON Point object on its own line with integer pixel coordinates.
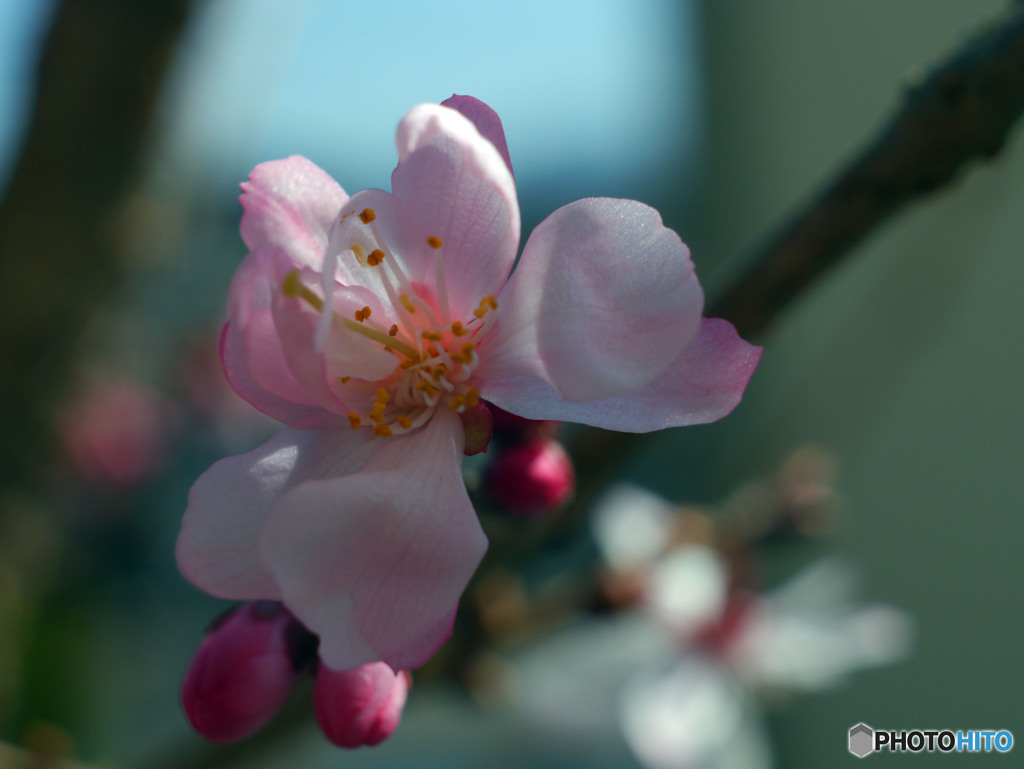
{"type": "Point", "coordinates": [964, 109]}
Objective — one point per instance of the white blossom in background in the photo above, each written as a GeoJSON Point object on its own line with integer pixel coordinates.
{"type": "Point", "coordinates": [686, 676]}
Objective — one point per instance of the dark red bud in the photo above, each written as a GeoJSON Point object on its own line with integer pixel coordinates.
{"type": "Point", "coordinates": [531, 478]}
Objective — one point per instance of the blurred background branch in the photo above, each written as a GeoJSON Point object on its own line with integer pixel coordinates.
{"type": "Point", "coordinates": [99, 78]}
{"type": "Point", "coordinates": [962, 110]}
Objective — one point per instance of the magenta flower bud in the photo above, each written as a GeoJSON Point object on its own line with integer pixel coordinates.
{"type": "Point", "coordinates": [532, 478]}
{"type": "Point", "coordinates": [244, 670]}
{"type": "Point", "coordinates": [361, 706]}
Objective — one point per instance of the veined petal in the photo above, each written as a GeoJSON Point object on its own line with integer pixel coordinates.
{"type": "Point", "coordinates": [603, 300]}
{"type": "Point", "coordinates": [703, 384]}
{"type": "Point", "coordinates": [486, 121]}
{"type": "Point", "coordinates": [375, 562]}
{"type": "Point", "coordinates": [457, 185]}
{"type": "Point", "coordinates": [250, 347]}
{"type": "Point", "coordinates": [346, 353]}
{"type": "Point", "coordinates": [217, 546]}
{"type": "Point", "coordinates": [290, 204]}
{"type": "Point", "coordinates": [401, 237]}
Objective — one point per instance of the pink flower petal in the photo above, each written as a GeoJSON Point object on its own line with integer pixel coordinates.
{"type": "Point", "coordinates": [290, 204]}
{"type": "Point", "coordinates": [703, 384]}
{"type": "Point", "coordinates": [404, 240]}
{"type": "Point", "coordinates": [374, 563]}
{"type": "Point", "coordinates": [251, 352]}
{"type": "Point", "coordinates": [603, 300]}
{"type": "Point", "coordinates": [459, 188]}
{"type": "Point", "coordinates": [218, 543]}
{"type": "Point", "coordinates": [486, 121]}
{"type": "Point", "coordinates": [346, 353]}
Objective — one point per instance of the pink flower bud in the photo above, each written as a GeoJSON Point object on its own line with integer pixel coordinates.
{"type": "Point", "coordinates": [243, 671]}
{"type": "Point", "coordinates": [361, 706]}
{"type": "Point", "coordinates": [532, 478]}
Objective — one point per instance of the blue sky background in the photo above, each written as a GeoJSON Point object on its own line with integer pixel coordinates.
{"type": "Point", "coordinates": [601, 89]}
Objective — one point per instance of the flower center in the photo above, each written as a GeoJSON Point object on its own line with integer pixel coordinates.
{"type": "Point", "coordinates": [435, 355]}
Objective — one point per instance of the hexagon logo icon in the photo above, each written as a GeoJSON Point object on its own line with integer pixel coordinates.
{"type": "Point", "coordinates": [862, 740]}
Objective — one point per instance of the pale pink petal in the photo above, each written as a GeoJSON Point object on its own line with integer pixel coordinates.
{"type": "Point", "coordinates": [245, 384]}
{"type": "Point", "coordinates": [703, 384]}
{"type": "Point", "coordinates": [485, 119]}
{"type": "Point", "coordinates": [459, 188]}
{"type": "Point", "coordinates": [250, 348]}
{"type": "Point", "coordinates": [603, 300]}
{"type": "Point", "coordinates": [400, 236]}
{"type": "Point", "coordinates": [290, 204]}
{"type": "Point", "coordinates": [217, 547]}
{"type": "Point", "coordinates": [374, 563]}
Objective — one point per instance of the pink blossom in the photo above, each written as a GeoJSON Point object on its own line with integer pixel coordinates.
{"type": "Point", "coordinates": [242, 672]}
{"type": "Point", "coordinates": [362, 706]}
{"type": "Point", "coordinates": [367, 323]}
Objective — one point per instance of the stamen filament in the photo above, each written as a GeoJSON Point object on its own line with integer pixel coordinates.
{"type": "Point", "coordinates": [439, 280]}
{"type": "Point", "coordinates": [327, 286]}
{"type": "Point", "coordinates": [380, 336]}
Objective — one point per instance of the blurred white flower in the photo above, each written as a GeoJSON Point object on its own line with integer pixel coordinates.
{"type": "Point", "coordinates": [730, 648]}
{"type": "Point", "coordinates": [631, 526]}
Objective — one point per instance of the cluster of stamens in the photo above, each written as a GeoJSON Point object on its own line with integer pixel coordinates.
{"type": "Point", "coordinates": [435, 354]}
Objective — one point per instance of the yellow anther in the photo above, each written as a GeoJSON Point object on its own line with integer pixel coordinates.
{"type": "Point", "coordinates": [290, 285]}
{"type": "Point", "coordinates": [376, 257]}
{"type": "Point", "coordinates": [466, 356]}
{"type": "Point", "coordinates": [363, 314]}
{"type": "Point", "coordinates": [439, 371]}
{"type": "Point", "coordinates": [382, 430]}
{"type": "Point", "coordinates": [292, 288]}
{"type": "Point", "coordinates": [433, 336]}
{"type": "Point", "coordinates": [487, 303]}
{"type": "Point", "coordinates": [458, 330]}
{"type": "Point", "coordinates": [367, 215]}
{"type": "Point", "coordinates": [405, 422]}
{"type": "Point", "coordinates": [354, 420]}
{"type": "Point", "coordinates": [426, 387]}
{"type": "Point", "coordinates": [344, 379]}
{"type": "Point", "coordinates": [434, 241]}
{"type": "Point", "coordinates": [456, 403]}
{"type": "Point", "coordinates": [393, 331]}
{"type": "Point", "coordinates": [382, 396]}
{"type": "Point", "coordinates": [407, 303]}
{"type": "Point", "coordinates": [472, 396]}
